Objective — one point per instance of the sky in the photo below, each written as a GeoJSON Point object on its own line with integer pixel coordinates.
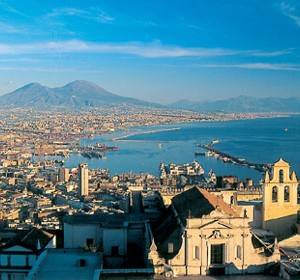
{"type": "Point", "coordinates": [160, 51]}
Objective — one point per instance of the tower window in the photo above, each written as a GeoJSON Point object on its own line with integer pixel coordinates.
{"type": "Point", "coordinates": [281, 176]}
{"type": "Point", "coordinates": [274, 194]}
{"type": "Point", "coordinates": [286, 194]}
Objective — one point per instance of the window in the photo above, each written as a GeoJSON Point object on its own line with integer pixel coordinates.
{"type": "Point", "coordinates": [170, 248]}
{"type": "Point", "coordinates": [115, 250]}
{"type": "Point", "coordinates": [196, 253]}
{"type": "Point", "coordinates": [281, 176]}
{"type": "Point", "coordinates": [89, 242]}
{"type": "Point", "coordinates": [286, 194]}
{"type": "Point", "coordinates": [274, 194]}
{"type": "Point", "coordinates": [239, 252]}
{"type": "Point", "coordinates": [27, 260]}
{"type": "Point", "coordinates": [8, 260]}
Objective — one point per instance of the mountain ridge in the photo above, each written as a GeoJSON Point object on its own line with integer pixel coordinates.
{"type": "Point", "coordinates": [76, 94]}
{"type": "Point", "coordinates": [242, 103]}
{"type": "Point", "coordinates": [80, 94]}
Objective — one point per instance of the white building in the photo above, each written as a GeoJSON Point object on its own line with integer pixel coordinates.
{"type": "Point", "coordinates": [123, 240]}
{"type": "Point", "coordinates": [200, 234]}
{"type": "Point", "coordinates": [67, 265]}
{"type": "Point", "coordinates": [18, 256]}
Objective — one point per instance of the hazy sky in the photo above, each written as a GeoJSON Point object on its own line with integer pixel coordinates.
{"type": "Point", "coordinates": [160, 50]}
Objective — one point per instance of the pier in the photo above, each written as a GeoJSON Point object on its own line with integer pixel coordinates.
{"type": "Point", "coordinates": [227, 158]}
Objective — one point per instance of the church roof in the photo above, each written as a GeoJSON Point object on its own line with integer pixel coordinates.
{"type": "Point", "coordinates": [197, 202]}
{"type": "Point", "coordinates": [281, 163]}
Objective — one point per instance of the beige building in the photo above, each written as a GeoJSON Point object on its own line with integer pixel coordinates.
{"type": "Point", "coordinates": [83, 180]}
{"type": "Point", "coordinates": [64, 175]}
{"type": "Point", "coordinates": [280, 200]}
{"type": "Point", "coordinates": [200, 234]}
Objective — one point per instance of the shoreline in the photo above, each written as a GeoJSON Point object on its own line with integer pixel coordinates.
{"type": "Point", "coordinates": [124, 137]}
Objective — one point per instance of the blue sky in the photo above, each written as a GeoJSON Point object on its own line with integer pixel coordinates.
{"type": "Point", "coordinates": [154, 50]}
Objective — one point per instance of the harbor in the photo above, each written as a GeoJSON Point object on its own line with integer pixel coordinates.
{"type": "Point", "coordinates": [227, 158]}
{"type": "Point", "coordinates": [96, 150]}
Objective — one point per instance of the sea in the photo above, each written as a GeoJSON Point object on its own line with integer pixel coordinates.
{"type": "Point", "coordinates": [142, 149]}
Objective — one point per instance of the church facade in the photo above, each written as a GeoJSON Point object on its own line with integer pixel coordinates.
{"type": "Point", "coordinates": [201, 235]}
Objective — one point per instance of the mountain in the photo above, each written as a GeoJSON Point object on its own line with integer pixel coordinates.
{"type": "Point", "coordinates": [77, 94]}
{"type": "Point", "coordinates": [242, 104]}
{"type": "Point", "coordinates": [82, 94]}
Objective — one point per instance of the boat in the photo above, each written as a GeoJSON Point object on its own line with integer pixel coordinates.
{"type": "Point", "coordinates": [215, 141]}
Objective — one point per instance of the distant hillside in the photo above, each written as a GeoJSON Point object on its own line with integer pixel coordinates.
{"type": "Point", "coordinates": [242, 104]}
{"type": "Point", "coordinates": [83, 94]}
{"type": "Point", "coordinates": [77, 94]}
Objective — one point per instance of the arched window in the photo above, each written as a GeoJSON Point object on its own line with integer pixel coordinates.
{"type": "Point", "coordinates": [274, 194]}
{"type": "Point", "coordinates": [286, 194]}
{"type": "Point", "coordinates": [232, 199]}
{"type": "Point", "coordinates": [281, 176]}
{"type": "Point", "coordinates": [238, 251]}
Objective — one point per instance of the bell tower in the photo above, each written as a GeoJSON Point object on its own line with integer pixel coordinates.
{"type": "Point", "coordinates": [280, 199]}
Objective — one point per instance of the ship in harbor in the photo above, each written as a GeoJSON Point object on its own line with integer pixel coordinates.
{"type": "Point", "coordinates": [97, 150]}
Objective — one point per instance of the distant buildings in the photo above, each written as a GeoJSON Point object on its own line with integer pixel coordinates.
{"type": "Point", "coordinates": [174, 175]}
{"type": "Point", "coordinates": [132, 224]}
{"type": "Point", "coordinates": [83, 180]}
{"type": "Point", "coordinates": [64, 175]}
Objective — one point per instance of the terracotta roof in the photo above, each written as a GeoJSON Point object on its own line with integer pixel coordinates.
{"type": "Point", "coordinates": [197, 202]}
{"type": "Point", "coordinates": [218, 203]}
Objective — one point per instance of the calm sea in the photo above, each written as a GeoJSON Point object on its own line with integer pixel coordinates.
{"type": "Point", "coordinates": [258, 140]}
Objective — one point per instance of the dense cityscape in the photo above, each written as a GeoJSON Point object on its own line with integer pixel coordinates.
{"type": "Point", "coordinates": [149, 140]}
{"type": "Point", "coordinates": [124, 224]}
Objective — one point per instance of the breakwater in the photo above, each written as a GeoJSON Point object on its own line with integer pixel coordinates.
{"type": "Point", "coordinates": [227, 158]}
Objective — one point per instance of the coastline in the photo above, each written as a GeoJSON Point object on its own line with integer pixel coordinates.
{"type": "Point", "coordinates": [254, 116]}
{"type": "Point", "coordinates": [143, 154]}
{"type": "Point", "coordinates": [123, 138]}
